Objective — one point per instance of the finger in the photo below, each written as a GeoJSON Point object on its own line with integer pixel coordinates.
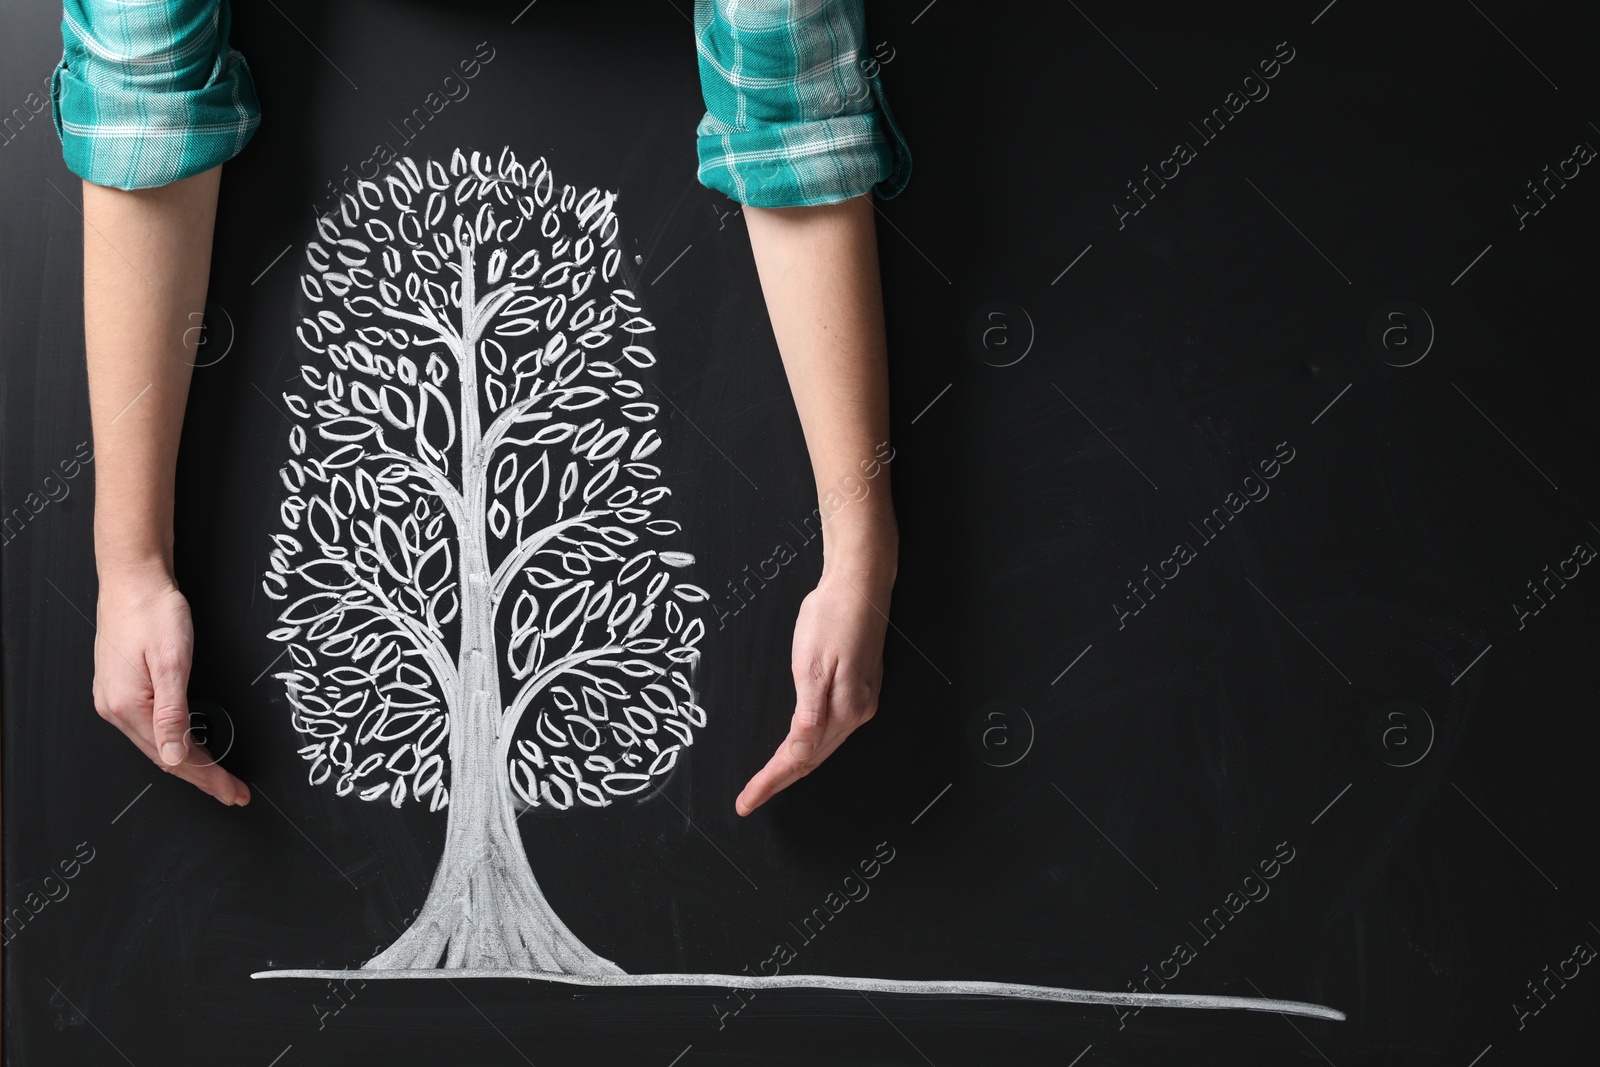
{"type": "Point", "coordinates": [830, 745]}
{"type": "Point", "coordinates": [169, 719]}
{"type": "Point", "coordinates": [199, 770]}
{"type": "Point", "coordinates": [776, 776]}
{"type": "Point", "coordinates": [783, 770]}
{"type": "Point", "coordinates": [807, 732]}
{"type": "Point", "coordinates": [847, 712]}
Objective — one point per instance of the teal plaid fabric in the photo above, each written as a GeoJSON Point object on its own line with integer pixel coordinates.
{"type": "Point", "coordinates": [149, 91]}
{"type": "Point", "coordinates": [796, 112]}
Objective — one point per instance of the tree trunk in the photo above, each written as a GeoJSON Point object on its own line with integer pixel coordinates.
{"type": "Point", "coordinates": [484, 909]}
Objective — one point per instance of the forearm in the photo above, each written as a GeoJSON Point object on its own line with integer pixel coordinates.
{"type": "Point", "coordinates": [146, 261]}
{"type": "Point", "coordinates": [819, 273]}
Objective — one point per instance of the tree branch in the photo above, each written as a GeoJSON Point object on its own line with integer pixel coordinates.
{"type": "Point", "coordinates": [534, 686]}
{"type": "Point", "coordinates": [494, 300]}
{"type": "Point", "coordinates": [506, 419]}
{"type": "Point", "coordinates": [432, 651]}
{"type": "Point", "coordinates": [430, 321]}
{"type": "Point", "coordinates": [428, 642]}
{"type": "Point", "coordinates": [527, 549]}
{"type": "Point", "coordinates": [448, 493]}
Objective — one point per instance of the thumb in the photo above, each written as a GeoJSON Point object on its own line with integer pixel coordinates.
{"type": "Point", "coordinates": [170, 714]}
{"type": "Point", "coordinates": [809, 726]}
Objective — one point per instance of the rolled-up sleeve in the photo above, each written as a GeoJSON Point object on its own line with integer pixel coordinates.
{"type": "Point", "coordinates": [796, 113]}
{"type": "Point", "coordinates": [149, 91]}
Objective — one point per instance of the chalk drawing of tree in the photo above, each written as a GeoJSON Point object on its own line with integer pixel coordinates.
{"type": "Point", "coordinates": [481, 602]}
{"type": "Point", "coordinates": [478, 587]}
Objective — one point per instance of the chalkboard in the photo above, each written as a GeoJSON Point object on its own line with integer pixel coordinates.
{"type": "Point", "coordinates": [1237, 649]}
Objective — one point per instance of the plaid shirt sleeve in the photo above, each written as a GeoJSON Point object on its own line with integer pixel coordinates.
{"type": "Point", "coordinates": [148, 93]}
{"type": "Point", "coordinates": [796, 113]}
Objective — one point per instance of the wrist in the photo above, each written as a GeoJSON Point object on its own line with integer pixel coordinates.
{"type": "Point", "coordinates": [124, 570]}
{"type": "Point", "coordinates": [864, 547]}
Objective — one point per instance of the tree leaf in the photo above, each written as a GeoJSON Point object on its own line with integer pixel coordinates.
{"type": "Point", "coordinates": [591, 795]}
{"type": "Point", "coordinates": [505, 472]}
{"type": "Point", "coordinates": [524, 782]}
{"type": "Point", "coordinates": [436, 420]}
{"type": "Point", "coordinates": [311, 608]}
{"type": "Point", "coordinates": [354, 428]}
{"type": "Point", "coordinates": [565, 609]}
{"type": "Point", "coordinates": [544, 579]}
{"type": "Point", "coordinates": [435, 567]}
{"type": "Point", "coordinates": [538, 474]}
{"type": "Point", "coordinates": [625, 784]}
{"type": "Point", "coordinates": [499, 519]}
{"type": "Point", "coordinates": [443, 607]}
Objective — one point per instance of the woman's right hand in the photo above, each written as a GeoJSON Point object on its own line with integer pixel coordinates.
{"type": "Point", "coordinates": [144, 645]}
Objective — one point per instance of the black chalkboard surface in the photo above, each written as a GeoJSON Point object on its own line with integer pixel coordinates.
{"type": "Point", "coordinates": [1238, 645]}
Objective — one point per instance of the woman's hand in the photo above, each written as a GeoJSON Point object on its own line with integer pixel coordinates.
{"type": "Point", "coordinates": [819, 274]}
{"type": "Point", "coordinates": [144, 644]}
{"type": "Point", "coordinates": [838, 673]}
{"type": "Point", "coordinates": [146, 260]}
